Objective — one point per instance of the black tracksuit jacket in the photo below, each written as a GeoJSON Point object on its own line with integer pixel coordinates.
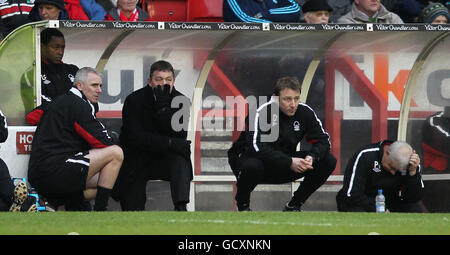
{"type": "Point", "coordinates": [292, 129]}
{"type": "Point", "coordinates": [68, 126]}
{"type": "Point", "coordinates": [365, 175]}
{"type": "Point", "coordinates": [56, 79]}
{"type": "Point", "coordinates": [3, 128]}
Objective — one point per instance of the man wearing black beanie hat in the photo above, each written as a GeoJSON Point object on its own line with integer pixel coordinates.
{"type": "Point", "coordinates": [48, 10]}
{"type": "Point", "coordinates": [317, 11]}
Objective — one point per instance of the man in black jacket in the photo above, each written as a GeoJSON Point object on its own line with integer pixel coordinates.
{"type": "Point", "coordinates": [153, 137]}
{"type": "Point", "coordinates": [268, 153]}
{"type": "Point", "coordinates": [73, 154]}
{"type": "Point", "coordinates": [14, 198]}
{"type": "Point", "coordinates": [392, 167]}
{"type": "Point", "coordinates": [436, 160]}
{"type": "Point", "coordinates": [6, 184]}
{"type": "Point", "coordinates": [56, 77]}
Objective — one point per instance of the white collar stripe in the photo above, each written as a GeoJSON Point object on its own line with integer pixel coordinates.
{"type": "Point", "coordinates": [437, 126]}
{"type": "Point", "coordinates": [255, 135]}
{"type": "Point", "coordinates": [318, 120]}
{"type": "Point", "coordinates": [350, 186]}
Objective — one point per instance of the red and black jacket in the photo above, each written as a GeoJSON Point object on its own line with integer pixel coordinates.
{"type": "Point", "coordinates": [69, 126]}
{"type": "Point", "coordinates": [13, 14]}
{"type": "Point", "coordinates": [436, 143]}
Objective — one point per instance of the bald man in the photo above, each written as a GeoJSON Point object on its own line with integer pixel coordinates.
{"type": "Point", "coordinates": [391, 166]}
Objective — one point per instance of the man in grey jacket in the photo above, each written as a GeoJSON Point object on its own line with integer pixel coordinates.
{"type": "Point", "coordinates": [370, 11]}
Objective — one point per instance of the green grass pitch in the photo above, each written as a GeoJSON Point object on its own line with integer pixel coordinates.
{"type": "Point", "coordinates": [223, 223]}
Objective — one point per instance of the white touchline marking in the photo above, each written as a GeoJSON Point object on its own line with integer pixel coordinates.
{"type": "Point", "coordinates": [249, 222]}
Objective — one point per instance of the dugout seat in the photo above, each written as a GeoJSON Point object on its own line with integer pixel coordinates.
{"type": "Point", "coordinates": [165, 10]}
{"type": "Point", "coordinates": [204, 10]}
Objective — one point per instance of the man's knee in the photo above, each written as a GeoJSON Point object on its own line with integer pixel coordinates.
{"type": "Point", "coordinates": [179, 167]}
{"type": "Point", "coordinates": [116, 155]}
{"type": "Point", "coordinates": [178, 161]}
{"type": "Point", "coordinates": [328, 163]}
{"type": "Point", "coordinates": [116, 152]}
{"type": "Point", "coordinates": [251, 168]}
{"type": "Point", "coordinates": [111, 155]}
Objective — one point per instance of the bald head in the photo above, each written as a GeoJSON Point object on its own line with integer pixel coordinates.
{"type": "Point", "coordinates": [399, 155]}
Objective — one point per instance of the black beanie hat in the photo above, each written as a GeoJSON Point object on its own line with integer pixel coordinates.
{"type": "Point", "coordinates": [316, 5]}
{"type": "Point", "coordinates": [57, 3]}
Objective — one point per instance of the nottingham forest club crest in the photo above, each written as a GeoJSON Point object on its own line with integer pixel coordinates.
{"type": "Point", "coordinates": [71, 77]}
{"type": "Point", "coordinates": [376, 167]}
{"type": "Point", "coordinates": [296, 126]}
{"type": "Point", "coordinates": [44, 79]}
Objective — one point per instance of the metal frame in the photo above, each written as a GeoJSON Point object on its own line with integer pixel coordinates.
{"type": "Point", "coordinates": [196, 108]}
{"type": "Point", "coordinates": [411, 84]}
{"type": "Point", "coordinates": [312, 67]}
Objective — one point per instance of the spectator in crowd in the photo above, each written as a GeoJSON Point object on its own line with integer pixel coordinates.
{"type": "Point", "coordinates": [435, 13]}
{"type": "Point", "coordinates": [93, 10]}
{"type": "Point", "coordinates": [48, 10]}
{"type": "Point", "coordinates": [12, 198]}
{"type": "Point", "coordinates": [75, 10]}
{"type": "Point", "coordinates": [269, 154]}
{"type": "Point", "coordinates": [317, 11]}
{"type": "Point", "coordinates": [108, 5]}
{"type": "Point", "coordinates": [73, 155]}
{"type": "Point", "coordinates": [153, 147]}
{"type": "Point", "coordinates": [56, 77]}
{"type": "Point", "coordinates": [127, 10]}
{"type": "Point", "coordinates": [389, 4]}
{"type": "Point", "coordinates": [393, 167]}
{"type": "Point", "coordinates": [370, 11]}
{"type": "Point", "coordinates": [436, 160]}
{"type": "Point", "coordinates": [408, 10]}
{"type": "Point", "coordinates": [84, 10]}
{"type": "Point", "coordinates": [261, 11]}
{"type": "Point", "coordinates": [13, 14]}
{"type": "Point", "coordinates": [340, 8]}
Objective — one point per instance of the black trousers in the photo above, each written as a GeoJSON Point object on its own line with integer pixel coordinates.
{"type": "Point", "coordinates": [131, 185]}
{"type": "Point", "coordinates": [6, 187]}
{"type": "Point", "coordinates": [252, 171]}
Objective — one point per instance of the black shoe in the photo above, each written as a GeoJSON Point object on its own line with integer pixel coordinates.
{"type": "Point", "coordinates": [292, 208]}
{"type": "Point", "coordinates": [180, 208]}
{"type": "Point", "coordinates": [245, 207]}
{"type": "Point", "coordinates": [52, 204]}
{"type": "Point", "coordinates": [80, 205]}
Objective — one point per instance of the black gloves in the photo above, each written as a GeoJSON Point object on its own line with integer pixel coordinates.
{"type": "Point", "coordinates": [181, 147]}
{"type": "Point", "coordinates": [162, 95]}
